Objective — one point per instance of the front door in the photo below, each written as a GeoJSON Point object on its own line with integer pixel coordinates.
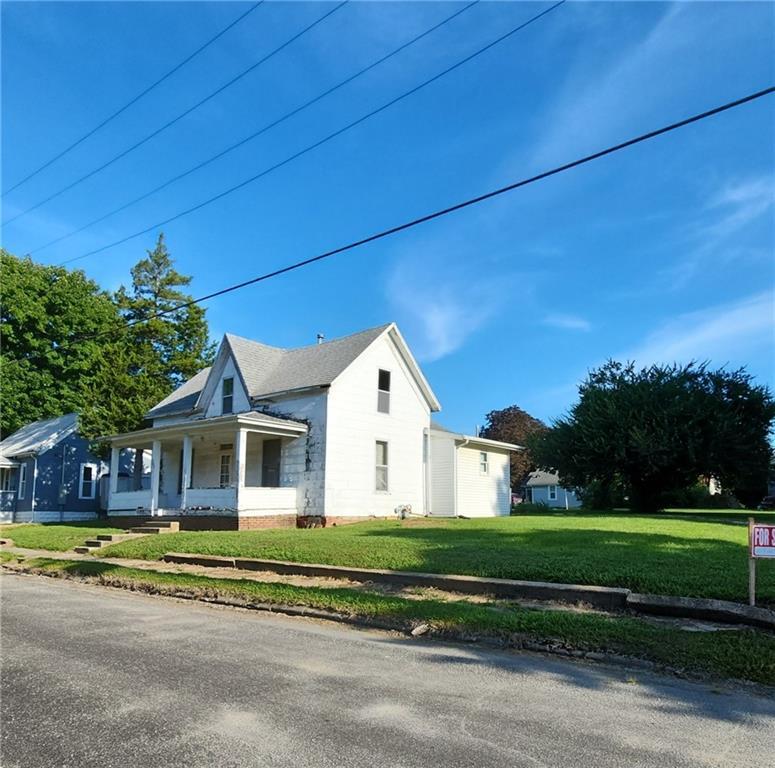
{"type": "Point", "coordinates": [270, 464]}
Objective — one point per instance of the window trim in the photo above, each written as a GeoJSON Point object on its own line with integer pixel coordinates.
{"type": "Point", "coordinates": [229, 396]}
{"type": "Point", "coordinates": [221, 456]}
{"type": "Point", "coordinates": [8, 477]}
{"type": "Point", "coordinates": [381, 391]}
{"type": "Point", "coordinates": [484, 463]}
{"type": "Point", "coordinates": [21, 482]}
{"type": "Point", "coordinates": [552, 493]}
{"type": "Point", "coordinates": [93, 481]}
{"type": "Point", "coordinates": [386, 466]}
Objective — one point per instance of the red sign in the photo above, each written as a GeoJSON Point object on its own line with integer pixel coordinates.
{"type": "Point", "coordinates": [761, 539]}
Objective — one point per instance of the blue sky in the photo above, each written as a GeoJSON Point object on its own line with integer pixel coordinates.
{"type": "Point", "coordinates": [663, 252]}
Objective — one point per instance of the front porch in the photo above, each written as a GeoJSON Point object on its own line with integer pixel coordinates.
{"type": "Point", "coordinates": [244, 465]}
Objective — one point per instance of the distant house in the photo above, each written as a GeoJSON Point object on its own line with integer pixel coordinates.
{"type": "Point", "coordinates": [470, 476]}
{"type": "Point", "coordinates": [545, 488]}
{"type": "Point", "coordinates": [333, 432]}
{"type": "Point", "coordinates": [48, 473]}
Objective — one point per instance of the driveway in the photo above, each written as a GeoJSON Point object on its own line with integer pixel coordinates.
{"type": "Point", "coordinates": [97, 677]}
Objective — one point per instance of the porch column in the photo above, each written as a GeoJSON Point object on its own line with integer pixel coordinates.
{"type": "Point", "coordinates": [186, 479]}
{"type": "Point", "coordinates": [114, 461]}
{"type": "Point", "coordinates": [240, 456]}
{"type": "Point", "coordinates": [155, 474]}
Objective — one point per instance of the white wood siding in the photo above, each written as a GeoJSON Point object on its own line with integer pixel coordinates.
{"type": "Point", "coordinates": [240, 403]}
{"type": "Point", "coordinates": [480, 494]}
{"type": "Point", "coordinates": [354, 426]}
{"type": "Point", "coordinates": [442, 470]}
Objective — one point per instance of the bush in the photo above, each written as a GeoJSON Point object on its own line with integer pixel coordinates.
{"type": "Point", "coordinates": [530, 508]}
{"type": "Point", "coordinates": [698, 497]}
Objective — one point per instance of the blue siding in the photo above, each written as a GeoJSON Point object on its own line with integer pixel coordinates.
{"type": "Point", "coordinates": [540, 494]}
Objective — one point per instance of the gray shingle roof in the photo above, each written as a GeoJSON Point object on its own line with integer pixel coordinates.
{"type": "Point", "coordinates": [183, 398]}
{"type": "Point", "coordinates": [38, 436]}
{"type": "Point", "coordinates": [543, 478]}
{"type": "Point", "coordinates": [268, 370]}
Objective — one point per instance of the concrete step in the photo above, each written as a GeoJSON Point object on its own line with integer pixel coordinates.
{"type": "Point", "coordinates": [110, 536]}
{"type": "Point", "coordinates": [152, 529]}
{"type": "Point", "coordinates": [84, 550]}
{"type": "Point", "coordinates": [94, 543]}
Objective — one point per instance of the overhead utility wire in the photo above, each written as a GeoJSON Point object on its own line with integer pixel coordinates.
{"type": "Point", "coordinates": [261, 131]}
{"type": "Point", "coordinates": [453, 208]}
{"type": "Point", "coordinates": [317, 144]}
{"type": "Point", "coordinates": [183, 114]}
{"type": "Point", "coordinates": [136, 98]}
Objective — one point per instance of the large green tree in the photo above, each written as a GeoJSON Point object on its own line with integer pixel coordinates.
{"type": "Point", "coordinates": [155, 354]}
{"type": "Point", "coordinates": [656, 430]}
{"type": "Point", "coordinates": [50, 321]}
{"type": "Point", "coordinates": [513, 425]}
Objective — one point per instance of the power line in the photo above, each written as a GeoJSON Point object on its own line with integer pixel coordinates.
{"type": "Point", "coordinates": [136, 98]}
{"type": "Point", "coordinates": [456, 207]}
{"type": "Point", "coordinates": [183, 114]}
{"type": "Point", "coordinates": [320, 142]}
{"type": "Point", "coordinates": [261, 131]}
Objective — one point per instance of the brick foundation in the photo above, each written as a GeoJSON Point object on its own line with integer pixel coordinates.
{"type": "Point", "coordinates": [268, 521]}
{"type": "Point", "coordinates": [234, 523]}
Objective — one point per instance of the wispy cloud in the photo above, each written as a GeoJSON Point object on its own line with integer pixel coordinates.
{"type": "Point", "coordinates": [726, 333]}
{"type": "Point", "coordinates": [442, 302]}
{"type": "Point", "coordinates": [712, 236]}
{"type": "Point", "coordinates": [567, 322]}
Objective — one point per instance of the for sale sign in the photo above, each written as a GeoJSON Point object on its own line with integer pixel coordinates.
{"type": "Point", "coordinates": [762, 540]}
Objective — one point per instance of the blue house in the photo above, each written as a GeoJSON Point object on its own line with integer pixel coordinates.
{"type": "Point", "coordinates": [545, 488]}
{"type": "Point", "coordinates": [48, 473]}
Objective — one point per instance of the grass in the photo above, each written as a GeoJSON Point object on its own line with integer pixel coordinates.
{"type": "Point", "coordinates": [55, 536]}
{"type": "Point", "coordinates": [654, 555]}
{"type": "Point", "coordinates": [745, 654]}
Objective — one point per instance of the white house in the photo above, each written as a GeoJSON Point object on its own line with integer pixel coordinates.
{"type": "Point", "coordinates": [339, 431]}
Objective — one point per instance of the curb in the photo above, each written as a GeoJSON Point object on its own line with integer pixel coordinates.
{"type": "Point", "coordinates": [606, 598]}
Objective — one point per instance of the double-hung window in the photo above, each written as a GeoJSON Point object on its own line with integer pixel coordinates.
{"type": "Point", "coordinates": [22, 481]}
{"type": "Point", "coordinates": [7, 476]}
{"type": "Point", "coordinates": [383, 391]}
{"type": "Point", "coordinates": [87, 481]}
{"type": "Point", "coordinates": [227, 395]}
{"type": "Point", "coordinates": [381, 466]}
{"type": "Point", "coordinates": [552, 493]}
{"type": "Point", "coordinates": [224, 477]}
{"type": "Point", "coordinates": [484, 464]}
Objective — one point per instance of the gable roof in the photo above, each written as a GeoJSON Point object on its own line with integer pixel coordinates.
{"type": "Point", "coordinates": [39, 436]}
{"type": "Point", "coordinates": [543, 478]}
{"type": "Point", "coordinates": [268, 370]}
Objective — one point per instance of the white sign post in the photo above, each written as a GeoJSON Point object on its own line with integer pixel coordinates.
{"type": "Point", "coordinates": [761, 543]}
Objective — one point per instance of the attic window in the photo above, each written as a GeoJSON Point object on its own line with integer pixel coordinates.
{"type": "Point", "coordinates": [227, 395]}
{"type": "Point", "coordinates": [383, 392]}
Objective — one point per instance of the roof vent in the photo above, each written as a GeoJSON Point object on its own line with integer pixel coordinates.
{"type": "Point", "coordinates": [321, 338]}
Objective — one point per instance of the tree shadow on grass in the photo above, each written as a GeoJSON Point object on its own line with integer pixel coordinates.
{"type": "Point", "coordinates": [644, 562]}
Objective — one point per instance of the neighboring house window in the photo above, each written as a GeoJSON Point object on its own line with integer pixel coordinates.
{"type": "Point", "coordinates": [7, 479]}
{"type": "Point", "coordinates": [227, 395]}
{"type": "Point", "coordinates": [383, 392]}
{"type": "Point", "coordinates": [484, 465]}
{"type": "Point", "coordinates": [382, 466]}
{"type": "Point", "coordinates": [224, 479]}
{"type": "Point", "coordinates": [22, 481]}
{"type": "Point", "coordinates": [87, 485]}
{"type": "Point", "coordinates": [552, 493]}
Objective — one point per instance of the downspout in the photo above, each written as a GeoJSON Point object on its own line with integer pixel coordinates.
{"type": "Point", "coordinates": [34, 484]}
{"type": "Point", "coordinates": [454, 471]}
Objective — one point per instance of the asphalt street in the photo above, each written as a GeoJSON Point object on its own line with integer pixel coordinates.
{"type": "Point", "coordinates": [100, 677]}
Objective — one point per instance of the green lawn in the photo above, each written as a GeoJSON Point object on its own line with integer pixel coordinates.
{"type": "Point", "coordinates": [745, 654]}
{"type": "Point", "coordinates": [657, 555]}
{"type": "Point", "coordinates": [55, 536]}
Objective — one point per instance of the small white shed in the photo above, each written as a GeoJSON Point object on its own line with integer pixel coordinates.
{"type": "Point", "coordinates": [469, 476]}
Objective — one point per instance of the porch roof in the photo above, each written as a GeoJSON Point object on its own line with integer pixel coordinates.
{"type": "Point", "coordinates": [254, 421]}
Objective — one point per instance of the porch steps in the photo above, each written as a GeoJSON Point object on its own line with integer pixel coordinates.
{"type": "Point", "coordinates": [101, 540]}
{"type": "Point", "coordinates": [158, 526]}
